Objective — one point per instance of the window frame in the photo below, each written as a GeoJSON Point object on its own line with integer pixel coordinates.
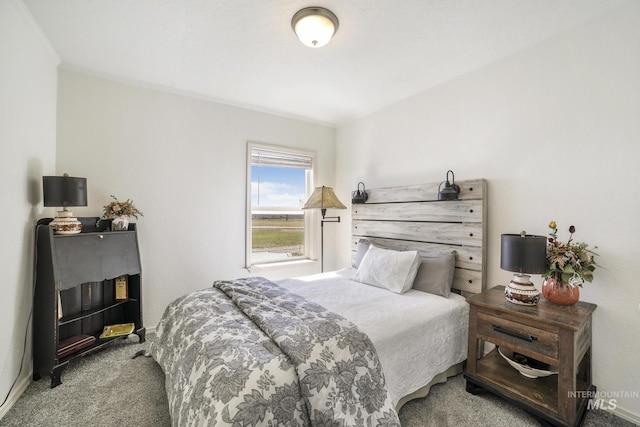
{"type": "Point", "coordinates": [310, 238]}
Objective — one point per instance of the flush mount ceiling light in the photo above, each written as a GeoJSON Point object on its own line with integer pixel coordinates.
{"type": "Point", "coordinates": [314, 26]}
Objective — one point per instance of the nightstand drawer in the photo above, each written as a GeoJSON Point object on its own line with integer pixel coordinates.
{"type": "Point", "coordinates": [519, 336]}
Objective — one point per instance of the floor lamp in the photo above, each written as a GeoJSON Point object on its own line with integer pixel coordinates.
{"type": "Point", "coordinates": [324, 198]}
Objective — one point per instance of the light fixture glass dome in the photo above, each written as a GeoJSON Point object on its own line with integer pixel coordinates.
{"type": "Point", "coordinates": [314, 26]}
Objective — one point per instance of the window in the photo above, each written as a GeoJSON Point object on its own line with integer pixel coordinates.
{"type": "Point", "coordinates": [280, 181]}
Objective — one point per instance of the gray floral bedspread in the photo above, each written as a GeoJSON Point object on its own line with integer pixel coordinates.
{"type": "Point", "coordinates": [248, 352]}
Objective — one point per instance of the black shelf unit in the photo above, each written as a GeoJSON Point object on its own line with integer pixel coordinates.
{"type": "Point", "coordinates": [74, 290]}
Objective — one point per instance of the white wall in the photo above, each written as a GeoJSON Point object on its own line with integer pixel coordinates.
{"type": "Point", "coordinates": [27, 135]}
{"type": "Point", "coordinates": [182, 160]}
{"type": "Point", "coordinates": [556, 131]}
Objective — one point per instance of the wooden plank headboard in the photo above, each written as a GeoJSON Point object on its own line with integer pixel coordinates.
{"type": "Point", "coordinates": [412, 218]}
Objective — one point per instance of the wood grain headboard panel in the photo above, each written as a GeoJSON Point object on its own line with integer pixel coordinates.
{"type": "Point", "coordinates": [412, 218]}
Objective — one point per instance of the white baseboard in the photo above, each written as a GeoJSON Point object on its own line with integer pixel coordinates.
{"type": "Point", "coordinates": [627, 415]}
{"type": "Point", "coordinates": [21, 386]}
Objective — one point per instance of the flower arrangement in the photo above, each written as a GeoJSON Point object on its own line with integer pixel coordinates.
{"type": "Point", "coordinates": [569, 262]}
{"type": "Point", "coordinates": [117, 208]}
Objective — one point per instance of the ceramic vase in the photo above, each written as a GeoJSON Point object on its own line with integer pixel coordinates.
{"type": "Point", "coordinates": [120, 223]}
{"type": "Point", "coordinates": [559, 292]}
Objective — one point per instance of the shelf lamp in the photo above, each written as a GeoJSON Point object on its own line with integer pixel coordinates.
{"type": "Point", "coordinates": [324, 198]}
{"type": "Point", "coordinates": [314, 26]}
{"type": "Point", "coordinates": [64, 191]}
{"type": "Point", "coordinates": [359, 197]}
{"type": "Point", "coordinates": [523, 254]}
{"type": "Point", "coordinates": [450, 190]}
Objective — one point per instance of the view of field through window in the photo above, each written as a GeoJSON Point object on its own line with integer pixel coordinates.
{"type": "Point", "coordinates": [278, 234]}
{"type": "Point", "coordinates": [277, 219]}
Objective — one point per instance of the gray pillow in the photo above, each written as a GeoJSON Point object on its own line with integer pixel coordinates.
{"type": "Point", "coordinates": [363, 247]}
{"type": "Point", "coordinates": [435, 274]}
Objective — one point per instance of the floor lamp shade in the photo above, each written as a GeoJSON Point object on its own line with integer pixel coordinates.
{"type": "Point", "coordinates": [324, 198]}
{"type": "Point", "coordinates": [64, 191]}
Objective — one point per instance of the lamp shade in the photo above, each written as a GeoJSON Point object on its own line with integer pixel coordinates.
{"type": "Point", "coordinates": [64, 191]}
{"type": "Point", "coordinates": [522, 253]}
{"type": "Point", "coordinates": [323, 198]}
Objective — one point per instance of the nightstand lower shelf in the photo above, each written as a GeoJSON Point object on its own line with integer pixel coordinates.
{"type": "Point", "coordinates": [538, 396]}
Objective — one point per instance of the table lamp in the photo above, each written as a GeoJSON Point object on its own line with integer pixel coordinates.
{"type": "Point", "coordinates": [523, 254]}
{"type": "Point", "coordinates": [65, 191]}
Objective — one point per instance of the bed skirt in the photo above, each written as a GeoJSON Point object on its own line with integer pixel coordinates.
{"type": "Point", "coordinates": [438, 379]}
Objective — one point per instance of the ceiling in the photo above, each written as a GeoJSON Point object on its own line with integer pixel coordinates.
{"type": "Point", "coordinates": [244, 52]}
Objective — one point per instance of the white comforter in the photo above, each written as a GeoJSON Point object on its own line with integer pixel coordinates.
{"type": "Point", "coordinates": [417, 335]}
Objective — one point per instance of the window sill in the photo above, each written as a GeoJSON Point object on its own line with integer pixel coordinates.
{"type": "Point", "coordinates": [297, 267]}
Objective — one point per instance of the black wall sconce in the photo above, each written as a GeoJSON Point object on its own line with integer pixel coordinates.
{"type": "Point", "coordinates": [450, 190]}
{"type": "Point", "coordinates": [359, 197]}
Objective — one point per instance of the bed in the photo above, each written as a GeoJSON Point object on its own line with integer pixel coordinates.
{"type": "Point", "coordinates": [413, 343]}
{"type": "Point", "coordinates": [253, 352]}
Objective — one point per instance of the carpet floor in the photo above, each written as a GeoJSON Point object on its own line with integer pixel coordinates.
{"type": "Point", "coordinates": [110, 388]}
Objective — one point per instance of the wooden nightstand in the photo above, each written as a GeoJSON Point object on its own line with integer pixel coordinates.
{"type": "Point", "coordinates": [557, 335]}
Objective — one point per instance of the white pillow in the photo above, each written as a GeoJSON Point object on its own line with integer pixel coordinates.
{"type": "Point", "coordinates": [386, 268]}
